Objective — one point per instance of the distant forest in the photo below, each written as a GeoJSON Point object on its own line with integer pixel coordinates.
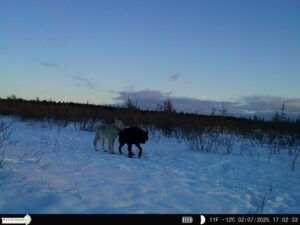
{"type": "Point", "coordinates": [164, 118]}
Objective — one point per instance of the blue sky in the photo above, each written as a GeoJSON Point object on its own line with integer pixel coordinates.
{"type": "Point", "coordinates": [241, 53]}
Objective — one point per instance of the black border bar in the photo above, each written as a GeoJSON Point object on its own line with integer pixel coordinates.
{"type": "Point", "coordinates": [153, 219]}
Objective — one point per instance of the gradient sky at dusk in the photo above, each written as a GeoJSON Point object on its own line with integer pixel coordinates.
{"type": "Point", "coordinates": [241, 53]}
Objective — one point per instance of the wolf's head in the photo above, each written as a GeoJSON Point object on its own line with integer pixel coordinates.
{"type": "Point", "coordinates": [119, 124]}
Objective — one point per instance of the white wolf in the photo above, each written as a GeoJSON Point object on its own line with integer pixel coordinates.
{"type": "Point", "coordinates": [109, 132]}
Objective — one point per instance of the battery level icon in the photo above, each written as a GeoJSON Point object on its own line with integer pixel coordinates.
{"type": "Point", "coordinates": [187, 219]}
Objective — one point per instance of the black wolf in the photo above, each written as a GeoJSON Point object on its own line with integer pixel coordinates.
{"type": "Point", "coordinates": [130, 136]}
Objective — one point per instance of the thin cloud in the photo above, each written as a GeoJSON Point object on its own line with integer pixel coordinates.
{"type": "Point", "coordinates": [77, 77]}
{"type": "Point", "coordinates": [264, 106]}
{"type": "Point", "coordinates": [150, 98]}
{"type": "Point", "coordinates": [130, 87]}
{"type": "Point", "coordinates": [145, 96]}
{"type": "Point", "coordinates": [81, 81]}
{"type": "Point", "coordinates": [174, 77]}
{"type": "Point", "coordinates": [270, 104]}
{"type": "Point", "coordinates": [48, 64]}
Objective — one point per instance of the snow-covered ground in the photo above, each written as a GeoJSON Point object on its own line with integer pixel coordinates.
{"type": "Point", "coordinates": [51, 169]}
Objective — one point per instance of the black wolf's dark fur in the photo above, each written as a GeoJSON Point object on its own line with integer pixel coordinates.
{"type": "Point", "coordinates": [130, 136]}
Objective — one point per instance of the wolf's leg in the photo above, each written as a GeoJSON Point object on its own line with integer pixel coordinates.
{"type": "Point", "coordinates": [130, 154]}
{"type": "Point", "coordinates": [96, 142]}
{"type": "Point", "coordinates": [140, 149]}
{"type": "Point", "coordinates": [103, 145]}
{"type": "Point", "coordinates": [120, 147]}
{"type": "Point", "coordinates": [111, 147]}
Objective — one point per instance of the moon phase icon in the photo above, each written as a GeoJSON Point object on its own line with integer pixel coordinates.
{"type": "Point", "coordinates": [202, 219]}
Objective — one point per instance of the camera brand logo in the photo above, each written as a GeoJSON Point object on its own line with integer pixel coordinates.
{"type": "Point", "coordinates": [10, 220]}
{"type": "Point", "coordinates": [187, 219]}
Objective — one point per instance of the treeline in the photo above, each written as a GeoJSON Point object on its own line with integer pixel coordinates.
{"type": "Point", "coordinates": [166, 120]}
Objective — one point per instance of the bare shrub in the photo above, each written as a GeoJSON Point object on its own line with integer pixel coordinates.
{"type": "Point", "coordinates": [155, 135]}
{"type": "Point", "coordinates": [179, 135]}
{"type": "Point", "coordinates": [262, 199]}
{"type": "Point", "coordinates": [228, 142]}
{"type": "Point", "coordinates": [5, 134]}
{"type": "Point", "coordinates": [211, 140]}
{"type": "Point", "coordinates": [206, 141]}
{"type": "Point", "coordinates": [284, 143]}
{"type": "Point", "coordinates": [87, 125]}
{"type": "Point", "coordinates": [294, 153]}
{"type": "Point", "coordinates": [76, 191]}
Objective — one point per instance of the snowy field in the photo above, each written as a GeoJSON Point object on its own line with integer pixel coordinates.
{"type": "Point", "coordinates": [51, 169]}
